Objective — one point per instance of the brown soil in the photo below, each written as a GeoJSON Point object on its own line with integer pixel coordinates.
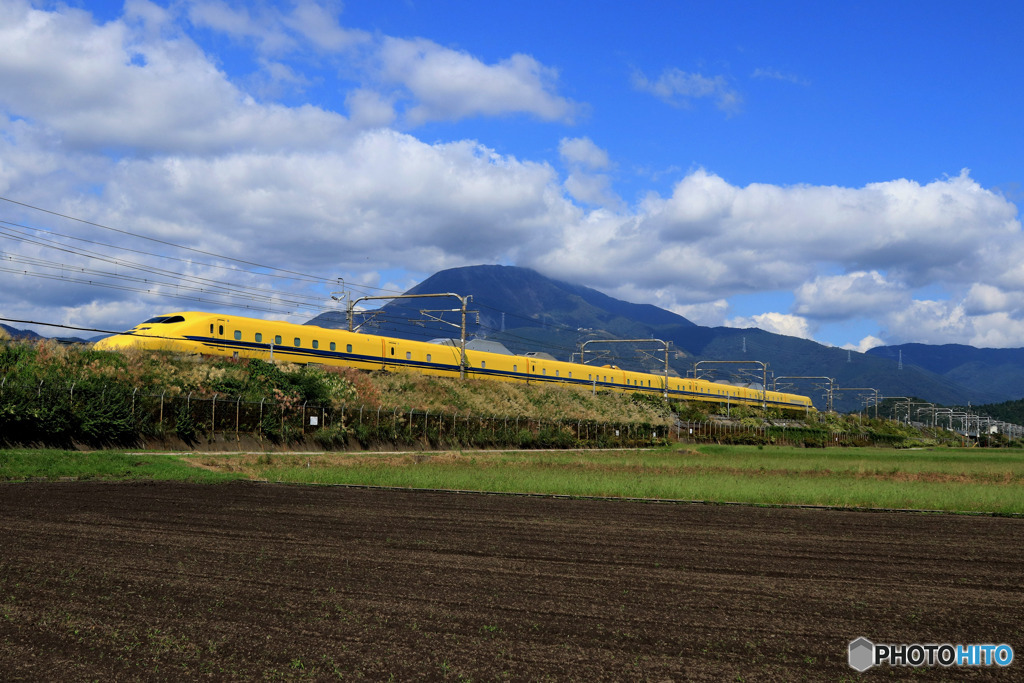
{"type": "Point", "coordinates": [165, 581]}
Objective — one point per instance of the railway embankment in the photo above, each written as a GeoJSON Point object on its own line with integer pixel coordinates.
{"type": "Point", "coordinates": [72, 397]}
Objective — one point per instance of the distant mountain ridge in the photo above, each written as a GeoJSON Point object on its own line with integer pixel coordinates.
{"type": "Point", "coordinates": [528, 312]}
{"type": "Point", "coordinates": [1000, 370]}
{"type": "Point", "coordinates": [542, 313]}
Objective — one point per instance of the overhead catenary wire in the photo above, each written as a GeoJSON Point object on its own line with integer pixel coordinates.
{"type": "Point", "coordinates": [198, 288]}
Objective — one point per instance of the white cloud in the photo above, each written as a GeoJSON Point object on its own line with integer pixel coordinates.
{"type": "Point", "coordinates": [983, 299]}
{"type": "Point", "coordinates": [584, 183]}
{"type": "Point", "coordinates": [927, 321]}
{"type": "Point", "coordinates": [848, 296]}
{"type": "Point", "coordinates": [370, 109]}
{"type": "Point", "coordinates": [114, 86]}
{"type": "Point", "coordinates": [448, 85]}
{"type": "Point", "coordinates": [779, 323]}
{"type": "Point", "coordinates": [274, 32]}
{"type": "Point", "coordinates": [584, 154]}
{"type": "Point", "coordinates": [864, 345]}
{"type": "Point", "coordinates": [710, 314]}
{"type": "Point", "coordinates": [777, 75]}
{"type": "Point", "coordinates": [679, 88]}
{"type": "Point", "coordinates": [403, 202]}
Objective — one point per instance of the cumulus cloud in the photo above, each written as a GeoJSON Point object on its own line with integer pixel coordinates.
{"type": "Point", "coordinates": [864, 345]}
{"type": "Point", "coordinates": [848, 296]}
{"type": "Point", "coordinates": [275, 32]}
{"type": "Point", "coordinates": [679, 88]}
{"type": "Point", "coordinates": [448, 84]}
{"type": "Point", "coordinates": [586, 183]}
{"type": "Point", "coordinates": [779, 323]}
{"type": "Point", "coordinates": [583, 153]}
{"type": "Point", "coordinates": [117, 86]}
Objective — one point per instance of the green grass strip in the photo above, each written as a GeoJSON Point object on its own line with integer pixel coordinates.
{"type": "Point", "coordinates": [966, 481]}
{"type": "Point", "coordinates": [22, 464]}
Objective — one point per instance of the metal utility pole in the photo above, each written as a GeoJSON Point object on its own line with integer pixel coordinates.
{"type": "Point", "coordinates": [871, 389]}
{"type": "Point", "coordinates": [463, 299]}
{"type": "Point", "coordinates": [831, 381]}
{"type": "Point", "coordinates": [764, 370]}
{"type": "Point", "coordinates": [899, 398]}
{"type": "Point", "coordinates": [665, 344]}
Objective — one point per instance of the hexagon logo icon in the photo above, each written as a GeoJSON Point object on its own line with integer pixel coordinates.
{"type": "Point", "coordinates": [862, 654]}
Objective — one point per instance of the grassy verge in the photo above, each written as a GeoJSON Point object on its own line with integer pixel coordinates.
{"type": "Point", "coordinates": [21, 464]}
{"type": "Point", "coordinates": [942, 479]}
{"type": "Point", "coordinates": [930, 479]}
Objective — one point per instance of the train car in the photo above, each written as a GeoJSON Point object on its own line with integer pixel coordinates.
{"type": "Point", "coordinates": [273, 340]}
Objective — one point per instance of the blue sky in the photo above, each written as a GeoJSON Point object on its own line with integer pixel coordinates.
{"type": "Point", "coordinates": [845, 172]}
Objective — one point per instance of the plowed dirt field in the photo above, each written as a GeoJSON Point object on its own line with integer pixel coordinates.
{"type": "Point", "coordinates": [168, 581]}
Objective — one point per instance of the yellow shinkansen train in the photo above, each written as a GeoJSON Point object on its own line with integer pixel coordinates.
{"type": "Point", "coordinates": [208, 333]}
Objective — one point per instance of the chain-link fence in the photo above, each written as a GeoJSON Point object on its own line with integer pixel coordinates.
{"type": "Point", "coordinates": [66, 415]}
{"type": "Point", "coordinates": [48, 414]}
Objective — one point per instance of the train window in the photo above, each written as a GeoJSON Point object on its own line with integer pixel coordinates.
{"type": "Point", "coordinates": [428, 358]}
{"type": "Point", "coordinates": [392, 350]}
{"type": "Point", "coordinates": [590, 376]}
{"type": "Point", "coordinates": [211, 328]}
{"type": "Point", "coordinates": [408, 355]}
{"type": "Point", "coordinates": [534, 369]}
{"type": "Point", "coordinates": [348, 348]}
{"type": "Point", "coordinates": [543, 371]}
{"type": "Point", "coordinates": [557, 373]}
{"type": "Point", "coordinates": [333, 346]}
{"type": "Point", "coordinates": [220, 329]}
{"type": "Point", "coordinates": [483, 364]}
{"type": "Point", "coordinates": [238, 334]}
{"type": "Point", "coordinates": [259, 336]}
{"type": "Point", "coordinates": [570, 375]}
{"type": "Point", "coordinates": [277, 339]}
{"type": "Point", "coordinates": [515, 368]}
{"type": "Point", "coordinates": [316, 344]}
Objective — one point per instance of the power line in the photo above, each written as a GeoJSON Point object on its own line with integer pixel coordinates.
{"type": "Point", "coordinates": [292, 273]}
